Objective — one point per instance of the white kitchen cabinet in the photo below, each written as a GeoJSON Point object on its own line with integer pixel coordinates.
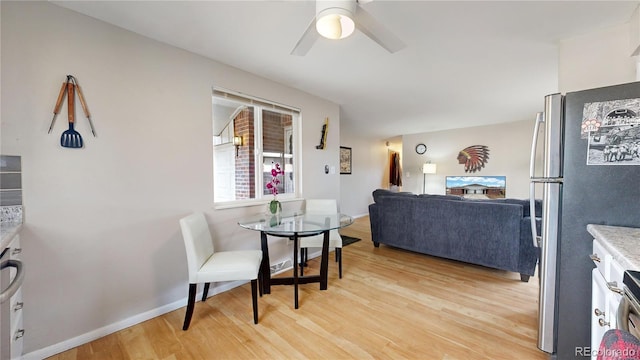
{"type": "Point", "coordinates": [605, 293]}
{"type": "Point", "coordinates": [600, 315]}
{"type": "Point", "coordinates": [17, 339]}
{"type": "Point", "coordinates": [11, 344]}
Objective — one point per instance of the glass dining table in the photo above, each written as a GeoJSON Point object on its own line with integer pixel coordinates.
{"type": "Point", "coordinates": [295, 225]}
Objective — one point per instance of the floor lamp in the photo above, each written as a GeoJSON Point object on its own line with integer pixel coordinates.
{"type": "Point", "coordinates": [427, 168]}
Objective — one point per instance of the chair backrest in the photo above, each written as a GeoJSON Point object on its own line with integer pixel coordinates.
{"type": "Point", "coordinates": [197, 242]}
{"type": "Point", "coordinates": [321, 206]}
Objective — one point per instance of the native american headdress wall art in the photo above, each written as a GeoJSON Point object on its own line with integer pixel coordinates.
{"type": "Point", "coordinates": [474, 157]}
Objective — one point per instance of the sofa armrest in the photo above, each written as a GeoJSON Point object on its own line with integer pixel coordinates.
{"type": "Point", "coordinates": [526, 207]}
{"type": "Point", "coordinates": [375, 223]}
{"type": "Point", "coordinates": [378, 194]}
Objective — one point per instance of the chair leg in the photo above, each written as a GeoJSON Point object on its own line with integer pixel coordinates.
{"type": "Point", "coordinates": [260, 282]}
{"type": "Point", "coordinates": [339, 258]}
{"type": "Point", "coordinates": [254, 299]}
{"type": "Point", "coordinates": [190, 305]}
{"type": "Point", "coordinates": [302, 262]}
{"type": "Point", "coordinates": [205, 292]}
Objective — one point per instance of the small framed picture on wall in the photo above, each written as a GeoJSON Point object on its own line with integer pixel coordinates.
{"type": "Point", "coordinates": [345, 160]}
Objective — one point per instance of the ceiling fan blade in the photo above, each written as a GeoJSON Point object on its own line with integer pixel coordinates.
{"type": "Point", "coordinates": [376, 31]}
{"type": "Point", "coordinates": [307, 40]}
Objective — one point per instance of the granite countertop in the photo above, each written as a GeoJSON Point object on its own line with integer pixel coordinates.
{"type": "Point", "coordinates": [10, 223]}
{"type": "Point", "coordinates": [622, 242]}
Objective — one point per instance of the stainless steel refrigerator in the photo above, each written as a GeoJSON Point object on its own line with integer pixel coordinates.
{"type": "Point", "coordinates": [585, 161]}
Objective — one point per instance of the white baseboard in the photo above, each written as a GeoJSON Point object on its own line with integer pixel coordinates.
{"type": "Point", "coordinates": [123, 324]}
{"type": "Point", "coordinates": [136, 319]}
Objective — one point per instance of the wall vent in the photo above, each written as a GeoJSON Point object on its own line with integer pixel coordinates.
{"type": "Point", "coordinates": [280, 267]}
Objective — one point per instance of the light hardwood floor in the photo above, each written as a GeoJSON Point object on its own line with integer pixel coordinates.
{"type": "Point", "coordinates": [390, 304]}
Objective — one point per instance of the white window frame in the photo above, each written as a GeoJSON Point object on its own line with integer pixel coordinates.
{"type": "Point", "coordinates": [259, 105]}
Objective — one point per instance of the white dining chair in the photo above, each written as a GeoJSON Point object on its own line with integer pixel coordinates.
{"type": "Point", "coordinates": [206, 265]}
{"type": "Point", "coordinates": [321, 207]}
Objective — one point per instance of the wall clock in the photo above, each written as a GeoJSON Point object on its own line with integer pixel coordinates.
{"type": "Point", "coordinates": [421, 148]}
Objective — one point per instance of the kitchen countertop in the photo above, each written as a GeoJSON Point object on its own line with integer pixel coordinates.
{"type": "Point", "coordinates": [622, 242]}
{"type": "Point", "coordinates": [7, 231]}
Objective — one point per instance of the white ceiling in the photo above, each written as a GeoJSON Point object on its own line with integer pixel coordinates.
{"type": "Point", "coordinates": [465, 64]}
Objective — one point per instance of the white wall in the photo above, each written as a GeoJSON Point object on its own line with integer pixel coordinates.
{"type": "Point", "coordinates": [509, 146]}
{"type": "Point", "coordinates": [597, 59]}
{"type": "Point", "coordinates": [509, 154]}
{"type": "Point", "coordinates": [369, 163]}
{"type": "Point", "coordinates": [101, 240]}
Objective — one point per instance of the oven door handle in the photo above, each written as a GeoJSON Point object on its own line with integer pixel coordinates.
{"type": "Point", "coordinates": [625, 308]}
{"type": "Point", "coordinates": [17, 280]}
{"type": "Point", "coordinates": [622, 315]}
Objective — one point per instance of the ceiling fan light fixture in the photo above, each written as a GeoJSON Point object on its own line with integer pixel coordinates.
{"type": "Point", "coordinates": [335, 22]}
{"type": "Point", "coordinates": [336, 19]}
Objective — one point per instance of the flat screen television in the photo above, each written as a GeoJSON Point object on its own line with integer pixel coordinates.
{"type": "Point", "coordinates": [477, 187]}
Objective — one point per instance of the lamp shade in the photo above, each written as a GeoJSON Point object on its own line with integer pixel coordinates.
{"type": "Point", "coordinates": [429, 168]}
{"type": "Point", "coordinates": [334, 19]}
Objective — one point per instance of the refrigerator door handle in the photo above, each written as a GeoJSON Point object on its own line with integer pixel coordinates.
{"type": "Point", "coordinates": [532, 175]}
{"type": "Point", "coordinates": [532, 212]}
{"type": "Point", "coordinates": [534, 145]}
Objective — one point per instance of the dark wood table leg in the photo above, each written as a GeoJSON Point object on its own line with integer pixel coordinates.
{"type": "Point", "coordinates": [266, 268]}
{"type": "Point", "coordinates": [324, 262]}
{"type": "Point", "coordinates": [295, 269]}
{"type": "Point", "coordinates": [295, 280]}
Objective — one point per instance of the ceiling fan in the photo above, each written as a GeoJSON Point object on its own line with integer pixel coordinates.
{"type": "Point", "coordinates": [337, 19]}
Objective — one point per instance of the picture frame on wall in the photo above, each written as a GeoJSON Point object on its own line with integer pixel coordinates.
{"type": "Point", "coordinates": [345, 160]}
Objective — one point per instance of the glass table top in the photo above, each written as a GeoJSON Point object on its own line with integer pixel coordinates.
{"type": "Point", "coordinates": [296, 222]}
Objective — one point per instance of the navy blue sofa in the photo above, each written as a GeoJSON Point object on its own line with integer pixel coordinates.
{"type": "Point", "coordinates": [493, 233]}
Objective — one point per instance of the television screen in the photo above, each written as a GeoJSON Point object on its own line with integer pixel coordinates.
{"type": "Point", "coordinates": [477, 187]}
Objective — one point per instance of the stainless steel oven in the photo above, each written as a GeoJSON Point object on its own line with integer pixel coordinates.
{"type": "Point", "coordinates": [628, 316]}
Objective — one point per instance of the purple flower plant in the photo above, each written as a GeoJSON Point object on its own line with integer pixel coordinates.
{"type": "Point", "coordinates": [273, 184]}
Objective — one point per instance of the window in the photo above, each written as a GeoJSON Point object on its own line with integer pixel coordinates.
{"type": "Point", "coordinates": [251, 136]}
